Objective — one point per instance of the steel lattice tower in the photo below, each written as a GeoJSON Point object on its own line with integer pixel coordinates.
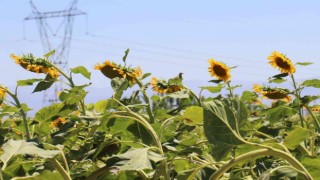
{"type": "Point", "coordinates": [49, 39]}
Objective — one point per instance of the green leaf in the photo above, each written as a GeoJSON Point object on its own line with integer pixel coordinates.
{"type": "Point", "coordinates": [137, 159]}
{"type": "Point", "coordinates": [45, 84]}
{"type": "Point", "coordinates": [72, 96]}
{"type": "Point", "coordinates": [49, 54]}
{"type": "Point", "coordinates": [312, 165]}
{"type": "Point", "coordinates": [46, 174]}
{"type": "Point", "coordinates": [216, 81]}
{"type": "Point", "coordinates": [119, 85]}
{"type": "Point", "coordinates": [213, 89]}
{"type": "Point", "coordinates": [125, 56]}
{"type": "Point", "coordinates": [27, 82]}
{"type": "Point", "coordinates": [48, 112]}
{"type": "Point", "coordinates": [304, 63]}
{"type": "Point", "coordinates": [145, 75]}
{"type": "Point", "coordinates": [12, 148]}
{"type": "Point", "coordinates": [280, 75]}
{"type": "Point", "coordinates": [312, 83]}
{"type": "Point", "coordinates": [194, 114]}
{"type": "Point", "coordinates": [179, 94]}
{"type": "Point", "coordinates": [277, 80]}
{"type": "Point", "coordinates": [221, 125]}
{"type": "Point", "coordinates": [295, 137]}
{"type": "Point", "coordinates": [248, 96]}
{"type": "Point", "coordinates": [278, 113]}
{"type": "Point", "coordinates": [101, 106]}
{"type": "Point", "coordinates": [82, 70]}
{"type": "Point", "coordinates": [233, 87]}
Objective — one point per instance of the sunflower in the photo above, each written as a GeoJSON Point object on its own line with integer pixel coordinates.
{"type": "Point", "coordinates": [58, 122]}
{"type": "Point", "coordinates": [112, 70]}
{"type": "Point", "coordinates": [162, 86]}
{"type": "Point", "coordinates": [219, 70]}
{"type": "Point", "coordinates": [38, 65]}
{"type": "Point", "coordinates": [272, 93]}
{"type": "Point", "coordinates": [280, 61]}
{"type": "Point", "coordinates": [315, 108]}
{"type": "Point", "coordinates": [2, 95]}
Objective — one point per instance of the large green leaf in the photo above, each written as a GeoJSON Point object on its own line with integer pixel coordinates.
{"type": "Point", "coordinates": [180, 94]}
{"type": "Point", "coordinates": [221, 125]}
{"type": "Point", "coordinates": [278, 113]}
{"type": "Point", "coordinates": [48, 112]}
{"type": "Point", "coordinates": [137, 159]}
{"type": "Point", "coordinates": [73, 96]}
{"type": "Point", "coordinates": [312, 165]}
{"type": "Point", "coordinates": [44, 175]}
{"type": "Point", "coordinates": [194, 114]}
{"type": "Point", "coordinates": [312, 83]}
{"type": "Point", "coordinates": [82, 70]}
{"type": "Point", "coordinates": [295, 137]}
{"type": "Point", "coordinates": [12, 148]}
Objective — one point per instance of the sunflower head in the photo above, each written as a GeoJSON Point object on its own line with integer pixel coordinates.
{"type": "Point", "coordinates": [36, 65]}
{"type": "Point", "coordinates": [315, 108]}
{"type": "Point", "coordinates": [112, 70]}
{"type": "Point", "coordinates": [272, 93]}
{"type": "Point", "coordinates": [163, 86]}
{"type": "Point", "coordinates": [219, 70]}
{"type": "Point", "coordinates": [58, 122]}
{"type": "Point", "coordinates": [280, 61]}
{"type": "Point", "coordinates": [2, 95]}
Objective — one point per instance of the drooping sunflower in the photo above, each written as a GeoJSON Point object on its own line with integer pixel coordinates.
{"type": "Point", "coordinates": [272, 93]}
{"type": "Point", "coordinates": [58, 122]}
{"type": "Point", "coordinates": [163, 87]}
{"type": "Point", "coordinates": [112, 70]}
{"type": "Point", "coordinates": [280, 61]}
{"type": "Point", "coordinates": [219, 70]}
{"type": "Point", "coordinates": [37, 65]}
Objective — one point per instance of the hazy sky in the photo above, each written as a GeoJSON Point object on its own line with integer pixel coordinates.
{"type": "Point", "coordinates": [171, 36]}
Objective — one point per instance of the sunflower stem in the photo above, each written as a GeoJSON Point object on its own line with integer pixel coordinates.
{"type": "Point", "coordinates": [22, 113]}
{"type": "Point", "coordinates": [146, 98]}
{"type": "Point", "coordinates": [230, 89]}
{"type": "Point", "coordinates": [297, 95]}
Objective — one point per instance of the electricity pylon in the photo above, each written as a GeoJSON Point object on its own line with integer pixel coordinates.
{"type": "Point", "coordinates": [52, 41]}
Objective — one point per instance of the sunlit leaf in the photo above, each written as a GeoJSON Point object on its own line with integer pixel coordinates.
{"type": "Point", "coordinates": [125, 56]}
{"type": "Point", "coordinates": [49, 54]}
{"type": "Point", "coordinates": [213, 89]}
{"type": "Point", "coordinates": [12, 148]}
{"type": "Point", "coordinates": [179, 94]}
{"type": "Point", "coordinates": [312, 83]}
{"type": "Point", "coordinates": [137, 159]}
{"type": "Point", "coordinates": [145, 75]}
{"type": "Point", "coordinates": [312, 165]}
{"type": "Point", "coordinates": [295, 137]}
{"type": "Point", "coordinates": [82, 70]}
{"type": "Point", "coordinates": [194, 114]}
{"type": "Point", "coordinates": [27, 82]}
{"type": "Point", "coordinates": [248, 96]}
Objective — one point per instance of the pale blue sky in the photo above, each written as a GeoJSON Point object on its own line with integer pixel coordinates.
{"type": "Point", "coordinates": [171, 36]}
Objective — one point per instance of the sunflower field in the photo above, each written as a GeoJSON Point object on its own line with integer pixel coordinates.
{"type": "Point", "coordinates": [163, 129]}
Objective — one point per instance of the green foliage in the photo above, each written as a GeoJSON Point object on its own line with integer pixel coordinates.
{"type": "Point", "coordinates": [81, 70]}
{"type": "Point", "coordinates": [131, 135]}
